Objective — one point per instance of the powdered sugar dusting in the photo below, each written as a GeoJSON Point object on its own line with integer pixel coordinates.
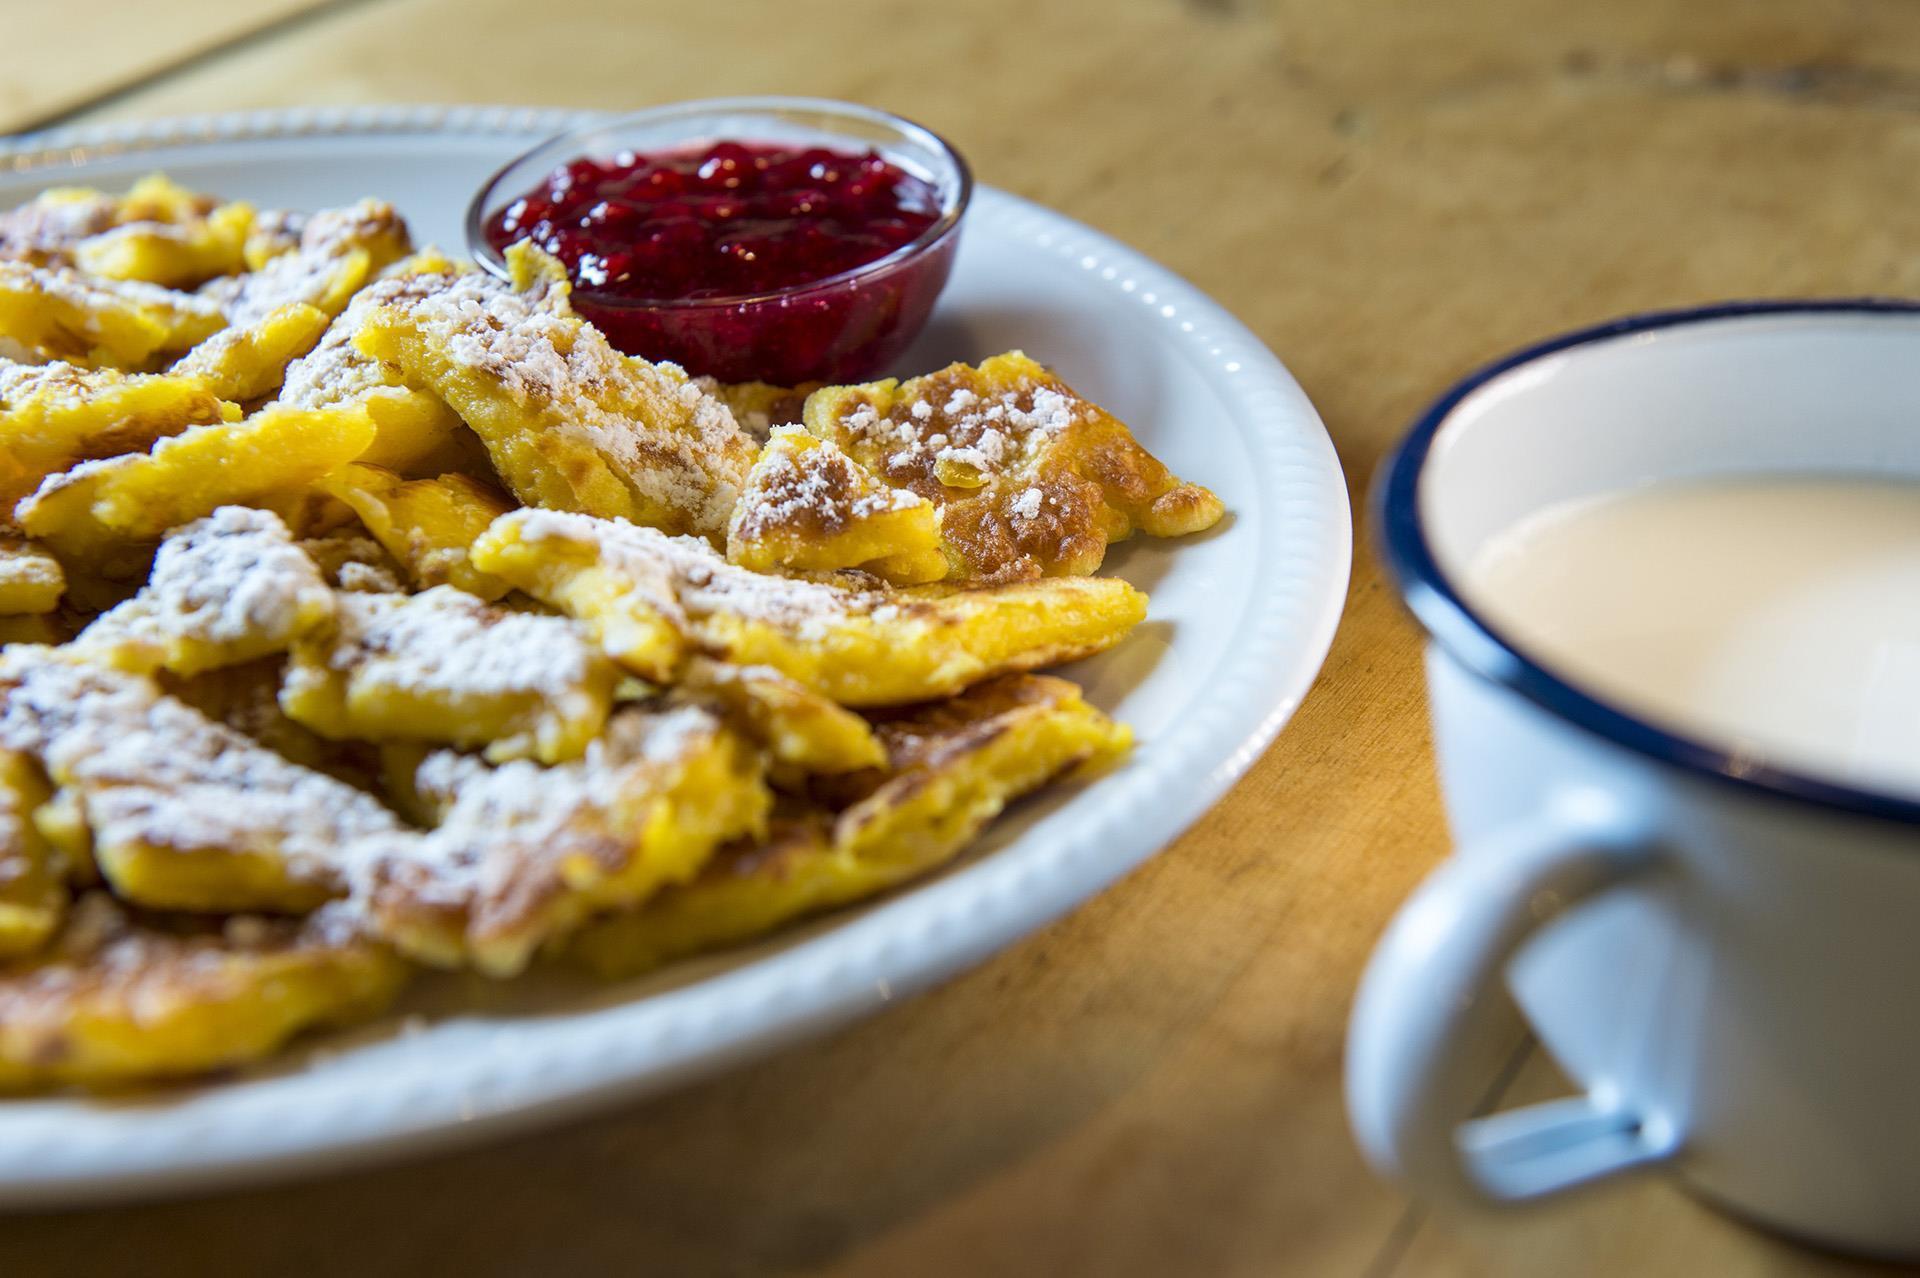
{"type": "Point", "coordinates": [57, 383]}
{"type": "Point", "coordinates": [311, 272]}
{"type": "Point", "coordinates": [233, 577]}
{"type": "Point", "coordinates": [676, 447]}
{"type": "Point", "coordinates": [757, 406]}
{"type": "Point", "coordinates": [446, 640]}
{"type": "Point", "coordinates": [953, 436]}
{"type": "Point", "coordinates": [702, 582]}
{"type": "Point", "coordinates": [359, 564]}
{"type": "Point", "coordinates": [334, 371]}
{"type": "Point", "coordinates": [154, 772]}
{"type": "Point", "coordinates": [513, 836]}
{"type": "Point", "coordinates": [46, 229]}
{"type": "Point", "coordinates": [528, 809]}
{"type": "Point", "coordinates": [91, 293]}
{"type": "Point", "coordinates": [106, 964]}
{"type": "Point", "coordinates": [808, 486]}
{"type": "Point", "coordinates": [24, 565]}
{"type": "Point", "coordinates": [365, 578]}
{"type": "Point", "coordinates": [275, 231]}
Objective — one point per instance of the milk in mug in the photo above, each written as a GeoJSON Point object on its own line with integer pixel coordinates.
{"type": "Point", "coordinates": [1775, 616]}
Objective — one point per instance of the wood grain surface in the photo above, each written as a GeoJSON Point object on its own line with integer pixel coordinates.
{"type": "Point", "coordinates": [1389, 192]}
{"type": "Point", "coordinates": [57, 60]}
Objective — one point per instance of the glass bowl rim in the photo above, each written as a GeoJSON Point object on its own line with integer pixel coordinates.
{"type": "Point", "coordinates": [494, 261]}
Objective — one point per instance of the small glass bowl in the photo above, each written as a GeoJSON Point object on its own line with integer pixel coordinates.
{"type": "Point", "coordinates": [841, 328]}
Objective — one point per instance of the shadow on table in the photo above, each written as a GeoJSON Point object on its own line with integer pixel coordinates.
{"type": "Point", "coordinates": [825, 1155]}
{"type": "Point", "coordinates": [779, 1166]}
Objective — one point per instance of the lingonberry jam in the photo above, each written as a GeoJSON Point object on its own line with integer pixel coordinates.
{"type": "Point", "coordinates": [716, 256]}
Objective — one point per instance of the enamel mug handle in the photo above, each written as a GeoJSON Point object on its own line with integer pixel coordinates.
{"type": "Point", "coordinates": [1434, 1021]}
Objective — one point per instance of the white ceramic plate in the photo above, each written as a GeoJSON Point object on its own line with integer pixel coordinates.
{"type": "Point", "coordinates": [1240, 622]}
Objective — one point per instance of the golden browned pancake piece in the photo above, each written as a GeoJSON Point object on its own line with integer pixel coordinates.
{"type": "Point", "coordinates": [521, 854]}
{"type": "Point", "coordinates": [808, 507]}
{"type": "Point", "coordinates": [118, 1000]}
{"type": "Point", "coordinates": [649, 599]}
{"type": "Point", "coordinates": [951, 767]}
{"type": "Point", "coordinates": [1031, 479]}
{"type": "Point", "coordinates": [570, 422]}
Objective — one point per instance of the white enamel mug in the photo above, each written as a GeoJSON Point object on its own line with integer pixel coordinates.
{"type": "Point", "coordinates": [1724, 955]}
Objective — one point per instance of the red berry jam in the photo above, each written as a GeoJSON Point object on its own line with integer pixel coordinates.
{"type": "Point", "coordinates": [702, 256]}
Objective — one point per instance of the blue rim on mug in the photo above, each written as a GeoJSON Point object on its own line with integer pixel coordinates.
{"type": "Point", "coordinates": [1467, 636]}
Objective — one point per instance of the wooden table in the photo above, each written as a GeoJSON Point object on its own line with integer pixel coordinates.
{"type": "Point", "coordinates": [1389, 192]}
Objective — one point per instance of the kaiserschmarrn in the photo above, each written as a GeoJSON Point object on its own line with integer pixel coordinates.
{"type": "Point", "coordinates": [366, 612]}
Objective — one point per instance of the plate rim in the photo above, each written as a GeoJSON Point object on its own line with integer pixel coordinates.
{"type": "Point", "coordinates": [224, 1135]}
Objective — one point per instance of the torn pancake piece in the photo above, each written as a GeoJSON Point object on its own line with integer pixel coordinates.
{"type": "Point", "coordinates": [117, 1001]}
{"type": "Point", "coordinates": [427, 525]}
{"type": "Point", "coordinates": [952, 768]}
{"type": "Point", "coordinates": [184, 813]}
{"type": "Point", "coordinates": [63, 314]}
{"type": "Point", "coordinates": [570, 422]}
{"type": "Point", "coordinates": [88, 511]}
{"type": "Point", "coordinates": [249, 361]}
{"type": "Point", "coordinates": [1031, 479]}
{"type": "Point", "coordinates": [414, 428]}
{"type": "Point", "coordinates": [33, 888]}
{"type": "Point", "coordinates": [53, 416]}
{"type": "Point", "coordinates": [183, 252]}
{"type": "Point", "coordinates": [808, 507]}
{"type": "Point", "coordinates": [339, 251]}
{"type": "Point", "coordinates": [847, 636]}
{"type": "Point", "coordinates": [158, 232]}
{"type": "Point", "coordinates": [224, 590]}
{"type": "Point", "coordinates": [522, 853]}
{"type": "Point", "coordinates": [443, 666]}
{"type": "Point", "coordinates": [798, 727]}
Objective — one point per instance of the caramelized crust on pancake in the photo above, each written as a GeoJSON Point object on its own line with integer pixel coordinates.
{"type": "Point", "coordinates": [848, 637]}
{"type": "Point", "coordinates": [1031, 479]}
{"type": "Point", "coordinates": [951, 768]}
{"type": "Point", "coordinates": [443, 666]}
{"type": "Point", "coordinates": [570, 422]}
{"type": "Point", "coordinates": [523, 853]}
{"type": "Point", "coordinates": [115, 1001]}
{"type": "Point", "coordinates": [807, 507]}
